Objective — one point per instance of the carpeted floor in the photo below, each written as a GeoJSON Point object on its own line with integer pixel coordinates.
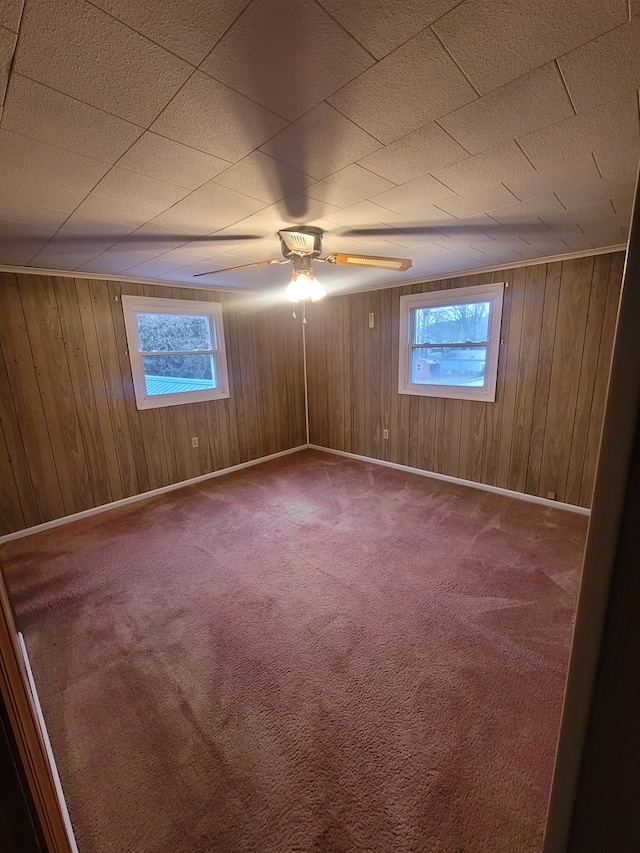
{"type": "Point", "coordinates": [314, 655]}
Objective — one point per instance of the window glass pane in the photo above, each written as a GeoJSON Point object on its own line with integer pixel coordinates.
{"type": "Point", "coordinates": [171, 332]}
{"type": "Point", "coordinates": [171, 374]}
{"type": "Point", "coordinates": [448, 366]}
{"type": "Point", "coordinates": [454, 324]}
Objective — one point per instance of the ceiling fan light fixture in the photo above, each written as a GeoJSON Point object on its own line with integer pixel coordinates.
{"type": "Point", "coordinates": [304, 285]}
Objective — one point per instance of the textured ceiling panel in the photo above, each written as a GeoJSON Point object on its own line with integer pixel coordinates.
{"type": "Point", "coordinates": [320, 143]}
{"type": "Point", "coordinates": [610, 131]}
{"type": "Point", "coordinates": [471, 203]}
{"type": "Point", "coordinates": [365, 213]}
{"type": "Point", "coordinates": [414, 195]}
{"type": "Point", "coordinates": [103, 232]}
{"type": "Point", "coordinates": [59, 252]}
{"type": "Point", "coordinates": [87, 54]}
{"type": "Point", "coordinates": [36, 173]}
{"type": "Point", "coordinates": [115, 261]}
{"type": "Point", "coordinates": [264, 178]}
{"type": "Point", "coordinates": [498, 116]}
{"type": "Point", "coordinates": [117, 154]}
{"type": "Point", "coordinates": [420, 152]}
{"type": "Point", "coordinates": [349, 186]}
{"type": "Point", "coordinates": [15, 210]}
{"type": "Point", "coordinates": [209, 116]}
{"type": "Point", "coordinates": [128, 197]}
{"type": "Point", "coordinates": [307, 209]}
{"type": "Point", "coordinates": [10, 12]}
{"type": "Point", "coordinates": [42, 113]}
{"type": "Point", "coordinates": [305, 38]}
{"type": "Point", "coordinates": [575, 195]}
{"type": "Point", "coordinates": [7, 46]}
{"type": "Point", "coordinates": [507, 162]}
{"type": "Point", "coordinates": [581, 171]}
{"type": "Point", "coordinates": [385, 25]}
{"type": "Point", "coordinates": [596, 221]}
{"type": "Point", "coordinates": [207, 209]}
{"type": "Point", "coordinates": [155, 268]}
{"type": "Point", "coordinates": [20, 242]}
{"type": "Point", "coordinates": [185, 27]}
{"type": "Point", "coordinates": [495, 41]}
{"type": "Point", "coordinates": [166, 160]}
{"type": "Point", "coordinates": [609, 63]}
{"type": "Point", "coordinates": [623, 204]}
{"type": "Point", "coordinates": [415, 84]}
{"type": "Point", "coordinates": [526, 211]}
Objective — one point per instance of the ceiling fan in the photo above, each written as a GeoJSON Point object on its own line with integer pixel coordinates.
{"type": "Point", "coordinates": [301, 245]}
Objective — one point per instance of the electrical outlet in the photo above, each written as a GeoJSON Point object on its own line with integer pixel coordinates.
{"type": "Point", "coordinates": [385, 433]}
{"type": "Point", "coordinates": [195, 442]}
{"type": "Point", "coordinates": [551, 496]}
{"type": "Point", "coordinates": [372, 319]}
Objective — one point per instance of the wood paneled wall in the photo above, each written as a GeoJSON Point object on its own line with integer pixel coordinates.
{"type": "Point", "coordinates": [71, 437]}
{"type": "Point", "coordinates": [540, 436]}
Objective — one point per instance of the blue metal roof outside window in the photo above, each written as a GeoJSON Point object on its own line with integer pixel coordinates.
{"type": "Point", "coordinates": [173, 385]}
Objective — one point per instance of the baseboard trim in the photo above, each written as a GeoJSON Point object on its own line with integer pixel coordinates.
{"type": "Point", "coordinates": [580, 510]}
{"type": "Point", "coordinates": [67, 519]}
{"type": "Point", "coordinates": [37, 710]}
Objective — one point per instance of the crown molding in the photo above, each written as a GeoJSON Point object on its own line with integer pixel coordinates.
{"type": "Point", "coordinates": [568, 256]}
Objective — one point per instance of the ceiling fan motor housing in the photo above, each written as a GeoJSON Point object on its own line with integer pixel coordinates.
{"type": "Point", "coordinates": [301, 241]}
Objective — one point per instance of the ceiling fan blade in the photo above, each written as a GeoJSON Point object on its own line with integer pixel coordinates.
{"type": "Point", "coordinates": [215, 238]}
{"type": "Point", "coordinates": [129, 240]}
{"type": "Point", "coordinates": [298, 241]}
{"type": "Point", "coordinates": [448, 226]}
{"type": "Point", "coordinates": [370, 261]}
{"type": "Point", "coordinates": [241, 267]}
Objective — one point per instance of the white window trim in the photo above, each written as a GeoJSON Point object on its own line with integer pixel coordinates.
{"type": "Point", "coordinates": [486, 292]}
{"type": "Point", "coordinates": [132, 305]}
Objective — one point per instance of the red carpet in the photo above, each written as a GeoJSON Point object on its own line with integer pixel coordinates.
{"type": "Point", "coordinates": [315, 654]}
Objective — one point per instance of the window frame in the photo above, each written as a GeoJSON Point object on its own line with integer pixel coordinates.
{"type": "Point", "coordinates": [133, 305]}
{"type": "Point", "coordinates": [492, 293]}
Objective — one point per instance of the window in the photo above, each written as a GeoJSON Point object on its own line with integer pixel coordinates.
{"type": "Point", "coordinates": [176, 350]}
{"type": "Point", "coordinates": [449, 341]}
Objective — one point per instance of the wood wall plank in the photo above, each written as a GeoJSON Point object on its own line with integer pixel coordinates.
{"type": "Point", "coordinates": [511, 354]}
{"type": "Point", "coordinates": [357, 374]}
{"type": "Point", "coordinates": [82, 388]}
{"type": "Point", "coordinates": [602, 378]}
{"type": "Point", "coordinates": [115, 291]}
{"type": "Point", "coordinates": [30, 421]}
{"type": "Point", "coordinates": [543, 376]}
{"type": "Point", "coordinates": [22, 487]}
{"type": "Point", "coordinates": [11, 514]}
{"type": "Point", "coordinates": [587, 378]}
{"type": "Point", "coordinates": [575, 288]}
{"type": "Point", "coordinates": [525, 382]}
{"type": "Point", "coordinates": [493, 412]}
{"type": "Point", "coordinates": [54, 382]}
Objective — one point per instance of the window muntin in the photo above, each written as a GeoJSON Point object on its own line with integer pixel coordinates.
{"type": "Point", "coordinates": [449, 342]}
{"type": "Point", "coordinates": [176, 350]}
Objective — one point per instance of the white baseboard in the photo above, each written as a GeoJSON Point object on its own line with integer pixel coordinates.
{"type": "Point", "coordinates": [534, 499]}
{"type": "Point", "coordinates": [67, 519]}
{"type": "Point", "coordinates": [37, 710]}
